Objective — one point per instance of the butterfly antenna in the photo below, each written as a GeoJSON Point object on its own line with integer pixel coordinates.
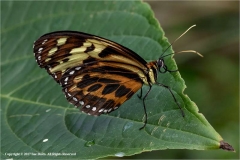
{"type": "Point", "coordinates": [191, 51]}
{"type": "Point", "coordinates": [177, 39]}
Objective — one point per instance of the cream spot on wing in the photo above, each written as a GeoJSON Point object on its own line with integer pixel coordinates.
{"type": "Point", "coordinates": [52, 51]}
{"type": "Point", "coordinates": [48, 59]}
{"type": "Point", "coordinates": [78, 68]}
{"type": "Point", "coordinates": [40, 50]}
{"type": "Point", "coordinates": [81, 102]}
{"type": "Point", "coordinates": [44, 41]}
{"type": "Point", "coordinates": [71, 72]}
{"type": "Point", "coordinates": [87, 44]}
{"type": "Point", "coordinates": [61, 41]}
{"type": "Point", "coordinates": [98, 47]}
{"type": "Point", "coordinates": [78, 50]}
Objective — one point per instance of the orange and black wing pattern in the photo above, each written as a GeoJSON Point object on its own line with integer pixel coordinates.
{"type": "Point", "coordinates": [95, 73]}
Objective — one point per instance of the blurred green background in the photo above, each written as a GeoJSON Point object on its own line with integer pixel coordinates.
{"type": "Point", "coordinates": [213, 81]}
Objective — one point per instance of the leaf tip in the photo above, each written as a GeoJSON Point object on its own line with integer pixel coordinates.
{"type": "Point", "coordinates": [226, 146]}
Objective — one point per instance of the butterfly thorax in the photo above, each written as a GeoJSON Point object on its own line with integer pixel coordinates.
{"type": "Point", "coordinates": [151, 76]}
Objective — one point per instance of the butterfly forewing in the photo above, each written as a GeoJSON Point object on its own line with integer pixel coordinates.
{"type": "Point", "coordinates": [95, 73]}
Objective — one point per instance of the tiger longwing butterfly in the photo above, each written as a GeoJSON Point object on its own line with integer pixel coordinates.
{"type": "Point", "coordinates": [95, 73]}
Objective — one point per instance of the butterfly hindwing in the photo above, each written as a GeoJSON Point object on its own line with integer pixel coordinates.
{"type": "Point", "coordinates": [99, 89]}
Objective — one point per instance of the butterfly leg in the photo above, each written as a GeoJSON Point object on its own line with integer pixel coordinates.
{"type": "Point", "coordinates": [140, 96]}
{"type": "Point", "coordinates": [144, 106]}
{"type": "Point", "coordinates": [172, 96]}
{"type": "Point", "coordinates": [166, 69]}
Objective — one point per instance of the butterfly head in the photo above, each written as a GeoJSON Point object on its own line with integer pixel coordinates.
{"type": "Point", "coordinates": [162, 68]}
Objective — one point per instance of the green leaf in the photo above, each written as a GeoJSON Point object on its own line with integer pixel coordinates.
{"type": "Point", "coordinates": [38, 122]}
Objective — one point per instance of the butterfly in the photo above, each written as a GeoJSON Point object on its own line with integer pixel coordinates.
{"type": "Point", "coordinates": [97, 74]}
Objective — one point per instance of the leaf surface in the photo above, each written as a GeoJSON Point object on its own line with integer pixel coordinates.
{"type": "Point", "coordinates": [38, 122]}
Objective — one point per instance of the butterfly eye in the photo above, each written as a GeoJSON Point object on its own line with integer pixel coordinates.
{"type": "Point", "coordinates": [160, 63]}
{"type": "Point", "coordinates": [162, 68]}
